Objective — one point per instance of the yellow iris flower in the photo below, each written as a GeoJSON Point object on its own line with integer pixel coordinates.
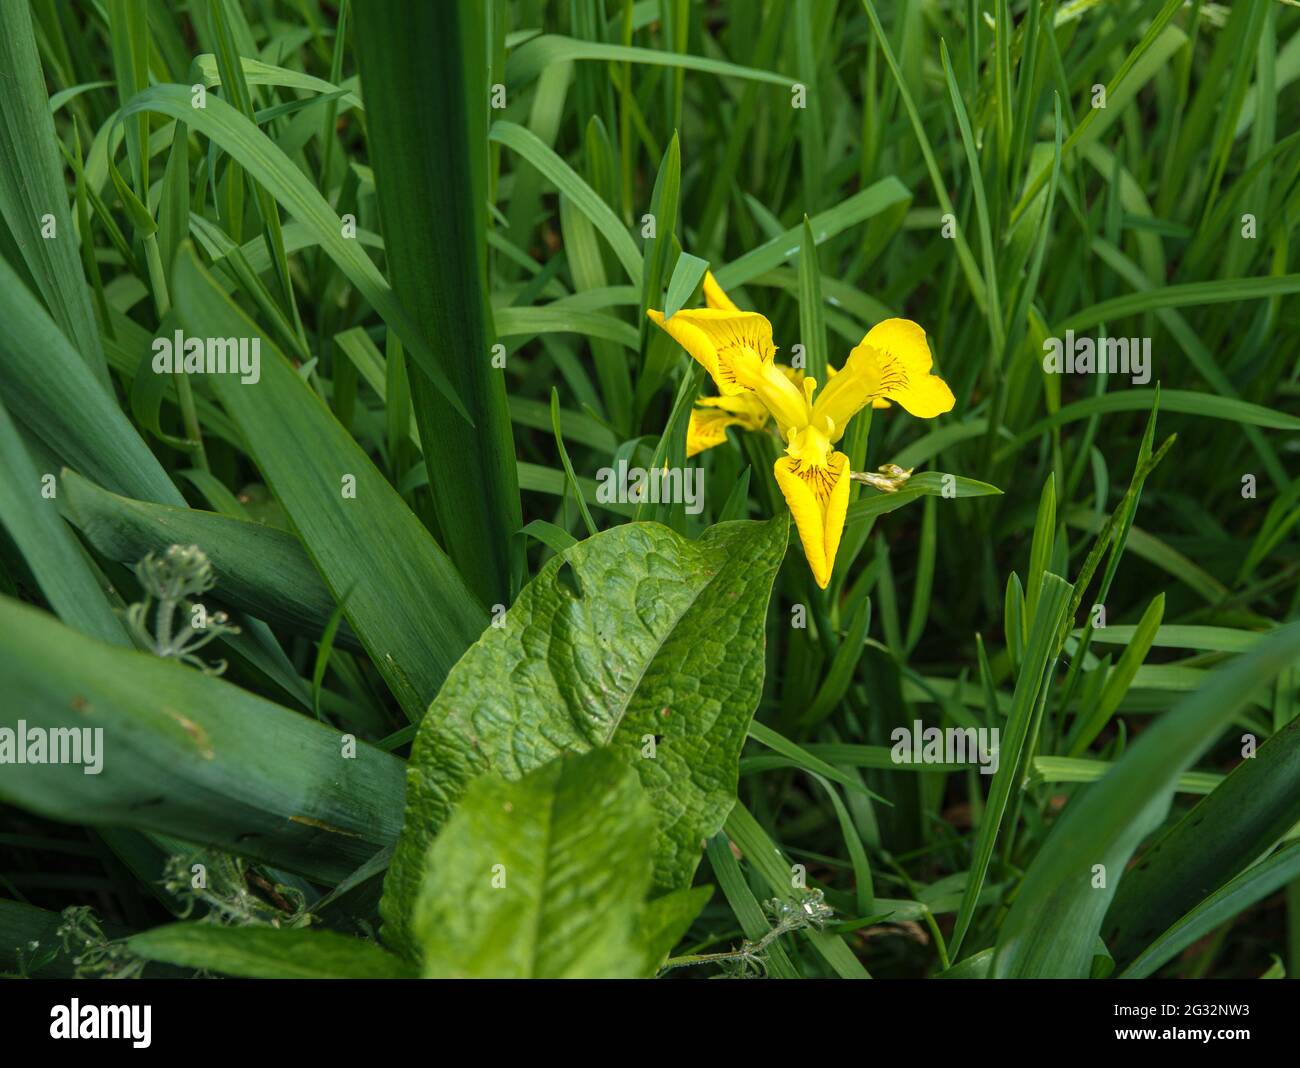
{"type": "Point", "coordinates": [891, 363]}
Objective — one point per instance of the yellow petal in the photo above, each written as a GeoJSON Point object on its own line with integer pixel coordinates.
{"type": "Point", "coordinates": [715, 296]}
{"type": "Point", "coordinates": [818, 496]}
{"type": "Point", "coordinates": [721, 341]}
{"type": "Point", "coordinates": [712, 415]}
{"type": "Point", "coordinates": [746, 408]}
{"type": "Point", "coordinates": [893, 361]}
{"type": "Point", "coordinates": [905, 363]}
{"type": "Point", "coordinates": [847, 392]}
{"type": "Point", "coordinates": [707, 428]}
{"type": "Point", "coordinates": [797, 378]}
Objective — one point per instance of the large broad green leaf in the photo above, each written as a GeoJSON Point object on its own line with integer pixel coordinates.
{"type": "Point", "coordinates": [543, 877]}
{"type": "Point", "coordinates": [1053, 926]}
{"type": "Point", "coordinates": [188, 755]}
{"type": "Point", "coordinates": [635, 639]}
{"type": "Point", "coordinates": [259, 569]}
{"type": "Point", "coordinates": [423, 78]}
{"type": "Point", "coordinates": [268, 952]}
{"type": "Point", "coordinates": [59, 398]}
{"type": "Point", "coordinates": [405, 601]}
{"type": "Point", "coordinates": [1227, 830]}
{"type": "Point", "coordinates": [32, 188]}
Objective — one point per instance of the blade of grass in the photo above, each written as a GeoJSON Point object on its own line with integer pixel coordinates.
{"type": "Point", "coordinates": [1034, 677]}
{"type": "Point", "coordinates": [32, 189]}
{"type": "Point", "coordinates": [1054, 921]}
{"type": "Point", "coordinates": [264, 162]}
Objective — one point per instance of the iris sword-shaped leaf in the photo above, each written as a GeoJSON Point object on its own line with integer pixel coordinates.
{"type": "Point", "coordinates": [409, 606]}
{"type": "Point", "coordinates": [426, 91]}
{"type": "Point", "coordinates": [190, 756]}
{"type": "Point", "coordinates": [31, 188]}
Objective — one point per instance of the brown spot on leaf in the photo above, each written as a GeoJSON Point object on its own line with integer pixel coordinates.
{"type": "Point", "coordinates": [197, 734]}
{"type": "Point", "coordinates": [307, 821]}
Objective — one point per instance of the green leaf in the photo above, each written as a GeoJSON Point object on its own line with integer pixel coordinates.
{"type": "Point", "coordinates": [976, 966]}
{"type": "Point", "coordinates": [527, 322]}
{"type": "Point", "coordinates": [221, 16]}
{"type": "Point", "coordinates": [58, 396]}
{"type": "Point", "coordinates": [572, 478]}
{"type": "Point", "coordinates": [259, 569]}
{"type": "Point", "coordinates": [1206, 639]}
{"type": "Point", "coordinates": [666, 919]}
{"type": "Point", "coordinates": [542, 877]}
{"type": "Point", "coordinates": [409, 607]}
{"type": "Point", "coordinates": [1194, 294]}
{"type": "Point", "coordinates": [66, 576]}
{"type": "Point", "coordinates": [645, 635]}
{"type": "Point", "coordinates": [1040, 548]}
{"type": "Point", "coordinates": [1154, 31]}
{"type": "Point", "coordinates": [259, 73]}
{"type": "Point", "coordinates": [1252, 885]}
{"type": "Point", "coordinates": [796, 756]}
{"type": "Point", "coordinates": [926, 484]}
{"type": "Point", "coordinates": [987, 247]}
{"type": "Point", "coordinates": [32, 186]}
{"type": "Point", "coordinates": [255, 152]}
{"type": "Point", "coordinates": [528, 60]}
{"type": "Point", "coordinates": [430, 182]}
{"type": "Point", "coordinates": [1093, 720]}
{"type": "Point", "coordinates": [863, 205]}
{"type": "Point", "coordinates": [268, 952]}
{"type": "Point", "coordinates": [579, 193]}
{"type": "Point", "coordinates": [1187, 401]}
{"type": "Point", "coordinates": [835, 684]}
{"type": "Point", "coordinates": [1238, 822]}
{"type": "Point", "coordinates": [964, 256]}
{"type": "Point", "coordinates": [1052, 928]}
{"type": "Point", "coordinates": [665, 205]}
{"type": "Point", "coordinates": [744, 905]}
{"type": "Point", "coordinates": [1032, 682]}
{"type": "Point", "coordinates": [687, 276]}
{"type": "Point", "coordinates": [812, 320]}
{"type": "Point", "coordinates": [190, 756]}
{"type": "Point", "coordinates": [1077, 769]}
